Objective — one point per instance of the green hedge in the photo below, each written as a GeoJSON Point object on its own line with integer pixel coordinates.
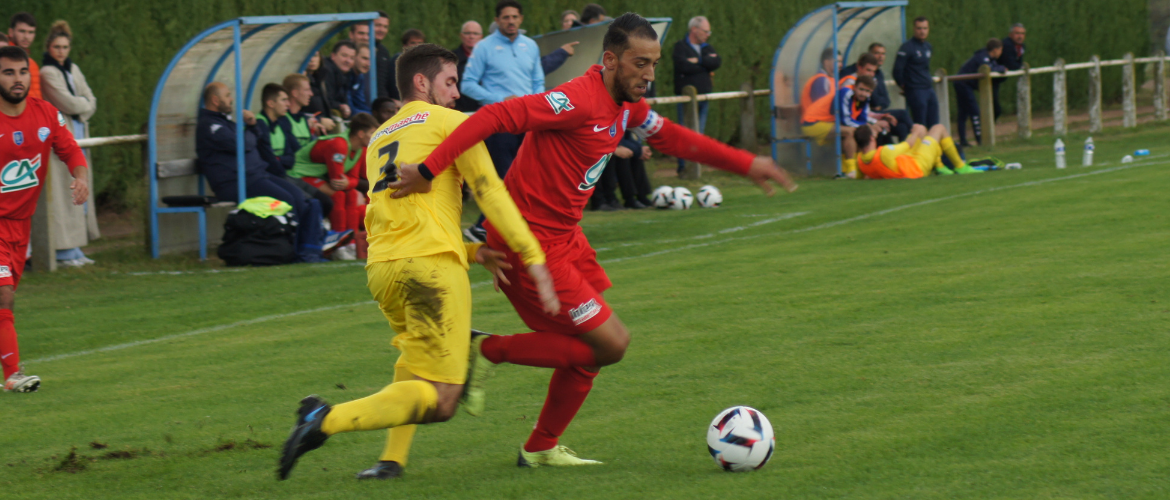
{"type": "Point", "coordinates": [124, 46]}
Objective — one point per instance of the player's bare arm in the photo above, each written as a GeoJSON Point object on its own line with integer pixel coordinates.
{"type": "Point", "coordinates": [409, 181]}
{"type": "Point", "coordinates": [80, 185]}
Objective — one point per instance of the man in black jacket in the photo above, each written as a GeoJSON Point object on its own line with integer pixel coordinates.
{"type": "Point", "coordinates": [334, 75]}
{"type": "Point", "coordinates": [215, 149]}
{"type": "Point", "coordinates": [469, 35]}
{"type": "Point", "coordinates": [1011, 58]}
{"type": "Point", "coordinates": [695, 61]}
{"type": "Point", "coordinates": [965, 89]}
{"type": "Point", "coordinates": [382, 57]}
{"type": "Point", "coordinates": [912, 73]}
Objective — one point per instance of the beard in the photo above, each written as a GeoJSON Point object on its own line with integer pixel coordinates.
{"type": "Point", "coordinates": [7, 96]}
{"type": "Point", "coordinates": [434, 99]}
{"type": "Point", "coordinates": [624, 92]}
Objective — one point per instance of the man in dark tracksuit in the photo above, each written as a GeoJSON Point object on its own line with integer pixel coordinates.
{"type": "Point", "coordinates": [694, 62]}
{"type": "Point", "coordinates": [912, 73]}
{"type": "Point", "coordinates": [215, 149]}
{"type": "Point", "coordinates": [334, 76]}
{"type": "Point", "coordinates": [965, 89]}
{"type": "Point", "coordinates": [1011, 58]}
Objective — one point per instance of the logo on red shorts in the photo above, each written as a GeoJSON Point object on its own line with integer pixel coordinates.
{"type": "Point", "coordinates": [5, 272]}
{"type": "Point", "coordinates": [584, 312]}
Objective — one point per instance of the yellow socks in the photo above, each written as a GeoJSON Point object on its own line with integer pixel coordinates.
{"type": "Point", "coordinates": [849, 167]}
{"type": "Point", "coordinates": [948, 147]}
{"type": "Point", "coordinates": [399, 438]}
{"type": "Point", "coordinates": [400, 403]}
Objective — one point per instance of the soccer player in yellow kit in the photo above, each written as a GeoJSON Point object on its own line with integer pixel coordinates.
{"type": "Point", "coordinates": [417, 271]}
{"type": "Point", "coordinates": [916, 158]}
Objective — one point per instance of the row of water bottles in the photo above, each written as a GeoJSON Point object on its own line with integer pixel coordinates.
{"type": "Point", "coordinates": [1086, 159]}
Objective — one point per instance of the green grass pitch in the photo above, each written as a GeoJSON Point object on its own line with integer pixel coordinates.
{"type": "Point", "coordinates": [992, 336]}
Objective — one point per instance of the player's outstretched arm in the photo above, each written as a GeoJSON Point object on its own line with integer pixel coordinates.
{"type": "Point", "coordinates": [80, 185]}
{"type": "Point", "coordinates": [764, 169]}
{"type": "Point", "coordinates": [409, 181]}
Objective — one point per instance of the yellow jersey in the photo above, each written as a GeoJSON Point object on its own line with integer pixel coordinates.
{"type": "Point", "coordinates": [429, 223]}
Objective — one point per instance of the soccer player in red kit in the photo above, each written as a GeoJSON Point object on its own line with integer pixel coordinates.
{"type": "Point", "coordinates": [30, 129]}
{"type": "Point", "coordinates": [572, 132]}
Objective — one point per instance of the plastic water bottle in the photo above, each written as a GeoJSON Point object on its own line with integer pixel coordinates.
{"type": "Point", "coordinates": [1087, 159]}
{"type": "Point", "coordinates": [1142, 152]}
{"type": "Point", "coordinates": [1059, 153]}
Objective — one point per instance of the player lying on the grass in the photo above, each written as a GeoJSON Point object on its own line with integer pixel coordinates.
{"type": "Point", "coordinates": [572, 132]}
{"type": "Point", "coordinates": [331, 164]}
{"type": "Point", "coordinates": [913, 159]}
{"type": "Point", "coordinates": [418, 269]}
{"type": "Point", "coordinates": [30, 129]}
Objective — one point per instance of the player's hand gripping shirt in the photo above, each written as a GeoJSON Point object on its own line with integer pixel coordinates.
{"type": "Point", "coordinates": [26, 142]}
{"type": "Point", "coordinates": [429, 223]}
{"type": "Point", "coordinates": [572, 132]}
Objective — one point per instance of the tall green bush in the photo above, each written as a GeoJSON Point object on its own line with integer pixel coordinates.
{"type": "Point", "coordinates": [124, 46]}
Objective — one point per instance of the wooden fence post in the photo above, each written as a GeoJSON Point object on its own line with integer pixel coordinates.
{"type": "Point", "coordinates": [692, 170]}
{"type": "Point", "coordinates": [1095, 95]}
{"type": "Point", "coordinates": [1059, 100]}
{"type": "Point", "coordinates": [1128, 100]}
{"type": "Point", "coordinates": [1160, 87]}
{"type": "Point", "coordinates": [1024, 103]}
{"type": "Point", "coordinates": [942, 92]}
{"type": "Point", "coordinates": [747, 119]}
{"type": "Point", "coordinates": [987, 106]}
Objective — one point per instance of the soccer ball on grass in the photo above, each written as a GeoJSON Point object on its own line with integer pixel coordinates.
{"type": "Point", "coordinates": [683, 199]}
{"type": "Point", "coordinates": [740, 439]}
{"type": "Point", "coordinates": [709, 196]}
{"type": "Point", "coordinates": [662, 197]}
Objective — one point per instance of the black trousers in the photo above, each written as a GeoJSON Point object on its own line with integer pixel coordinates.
{"type": "Point", "coordinates": [968, 105]}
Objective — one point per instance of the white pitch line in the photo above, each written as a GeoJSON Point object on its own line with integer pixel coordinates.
{"type": "Point", "coordinates": [272, 317]}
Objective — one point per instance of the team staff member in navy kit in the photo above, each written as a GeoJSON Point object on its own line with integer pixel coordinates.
{"type": "Point", "coordinates": [912, 73]}
{"type": "Point", "coordinates": [695, 61]}
{"type": "Point", "coordinates": [1011, 58]}
{"type": "Point", "coordinates": [965, 89]}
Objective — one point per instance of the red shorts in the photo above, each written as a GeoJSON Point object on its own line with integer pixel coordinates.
{"type": "Point", "coordinates": [316, 182]}
{"type": "Point", "coordinates": [14, 236]}
{"type": "Point", "coordinates": [578, 278]}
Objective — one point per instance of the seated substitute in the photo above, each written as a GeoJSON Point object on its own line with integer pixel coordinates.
{"type": "Point", "coordinates": [215, 149]}
{"type": "Point", "coordinates": [332, 165]}
{"type": "Point", "coordinates": [278, 143]}
{"type": "Point", "coordinates": [854, 100]}
{"type": "Point", "coordinates": [418, 272]}
{"type": "Point", "coordinates": [818, 111]}
{"type": "Point", "coordinates": [913, 159]}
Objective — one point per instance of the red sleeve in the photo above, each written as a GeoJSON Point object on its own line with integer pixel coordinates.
{"type": "Point", "coordinates": [65, 145]}
{"type": "Point", "coordinates": [332, 153]}
{"type": "Point", "coordinates": [547, 111]}
{"type": "Point", "coordinates": [677, 140]}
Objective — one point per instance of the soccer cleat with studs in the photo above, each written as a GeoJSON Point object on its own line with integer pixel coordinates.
{"type": "Point", "coordinates": [479, 370]}
{"type": "Point", "coordinates": [557, 456]}
{"type": "Point", "coordinates": [381, 470]}
{"type": "Point", "coordinates": [306, 434]}
{"type": "Point", "coordinates": [19, 382]}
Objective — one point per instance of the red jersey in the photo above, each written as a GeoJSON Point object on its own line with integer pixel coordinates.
{"type": "Point", "coordinates": [339, 164]}
{"type": "Point", "coordinates": [572, 132]}
{"type": "Point", "coordinates": [26, 142]}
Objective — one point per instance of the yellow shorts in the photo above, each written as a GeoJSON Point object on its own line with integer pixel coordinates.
{"type": "Point", "coordinates": [819, 131]}
{"type": "Point", "coordinates": [927, 153]}
{"type": "Point", "coordinates": [428, 302]}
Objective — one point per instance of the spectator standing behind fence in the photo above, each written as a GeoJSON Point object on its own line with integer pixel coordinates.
{"type": "Point", "coordinates": [504, 65]}
{"type": "Point", "coordinates": [912, 73]}
{"type": "Point", "coordinates": [359, 86]}
{"type": "Point", "coordinates": [22, 30]}
{"type": "Point", "coordinates": [569, 19]}
{"type": "Point", "coordinates": [215, 150]}
{"type": "Point", "coordinates": [469, 35]}
{"type": "Point", "coordinates": [410, 38]}
{"type": "Point", "coordinates": [334, 76]}
{"type": "Point", "coordinates": [593, 13]}
{"type": "Point", "coordinates": [965, 89]}
{"type": "Point", "coordinates": [695, 61]}
{"type": "Point", "coordinates": [64, 86]}
{"type": "Point", "coordinates": [1012, 58]}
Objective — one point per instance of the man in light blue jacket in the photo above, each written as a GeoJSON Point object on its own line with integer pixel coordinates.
{"type": "Point", "coordinates": [504, 65]}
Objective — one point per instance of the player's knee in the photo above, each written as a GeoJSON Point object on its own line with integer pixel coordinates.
{"type": "Point", "coordinates": [444, 410]}
{"type": "Point", "coordinates": [7, 297]}
{"type": "Point", "coordinates": [917, 129]}
{"type": "Point", "coordinates": [938, 129]}
{"type": "Point", "coordinates": [613, 348]}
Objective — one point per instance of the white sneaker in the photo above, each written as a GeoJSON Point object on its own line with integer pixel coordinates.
{"type": "Point", "coordinates": [346, 252]}
{"type": "Point", "coordinates": [71, 263]}
{"type": "Point", "coordinates": [19, 382]}
{"type": "Point", "coordinates": [86, 261]}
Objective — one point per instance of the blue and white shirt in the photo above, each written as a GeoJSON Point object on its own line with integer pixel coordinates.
{"type": "Point", "coordinates": [499, 67]}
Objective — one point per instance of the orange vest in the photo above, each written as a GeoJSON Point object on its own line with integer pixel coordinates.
{"type": "Point", "coordinates": [847, 81]}
{"type": "Point", "coordinates": [820, 110]}
{"type": "Point", "coordinates": [874, 169]}
{"type": "Point", "coordinates": [34, 71]}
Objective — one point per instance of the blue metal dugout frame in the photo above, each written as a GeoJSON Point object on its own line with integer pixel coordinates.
{"type": "Point", "coordinates": [343, 21]}
{"type": "Point", "coordinates": [851, 10]}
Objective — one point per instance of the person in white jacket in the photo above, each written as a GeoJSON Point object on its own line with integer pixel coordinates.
{"type": "Point", "coordinates": [64, 86]}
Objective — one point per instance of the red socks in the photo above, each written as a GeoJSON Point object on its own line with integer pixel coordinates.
{"type": "Point", "coordinates": [345, 211]}
{"type": "Point", "coordinates": [542, 349]}
{"type": "Point", "coordinates": [9, 351]}
{"type": "Point", "coordinates": [566, 393]}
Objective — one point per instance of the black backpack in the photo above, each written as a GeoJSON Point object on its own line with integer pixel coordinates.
{"type": "Point", "coordinates": [251, 240]}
